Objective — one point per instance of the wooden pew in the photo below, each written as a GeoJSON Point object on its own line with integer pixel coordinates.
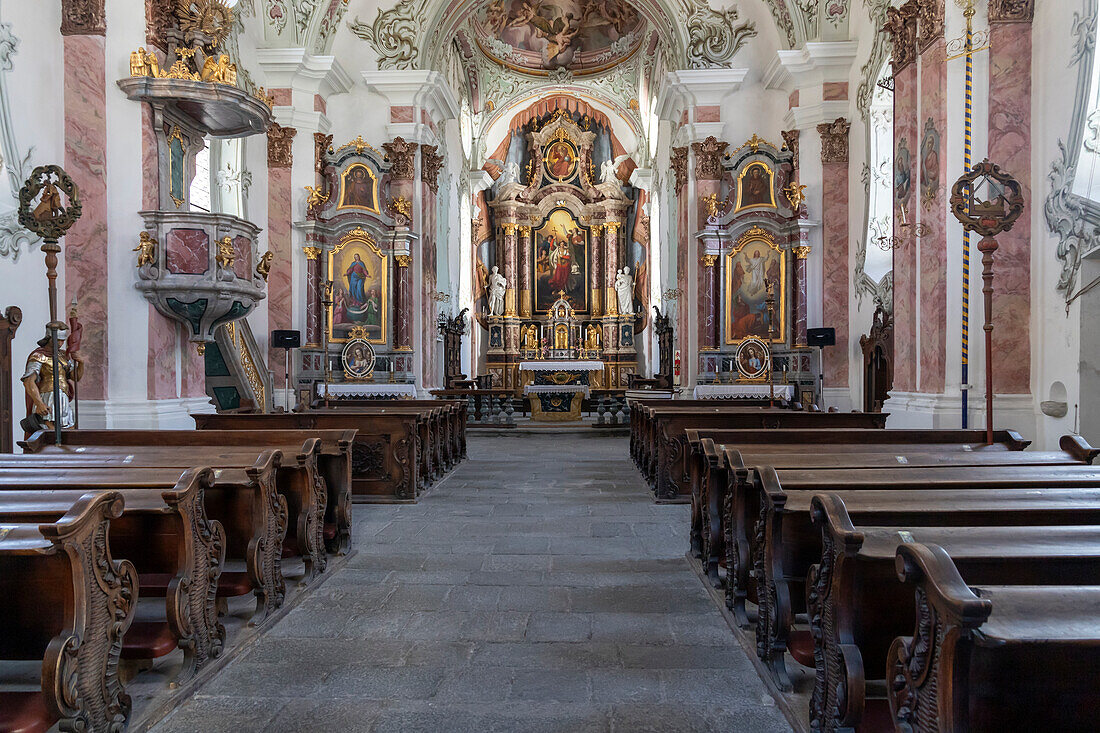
{"type": "Point", "coordinates": [333, 460]}
{"type": "Point", "coordinates": [67, 602]}
{"type": "Point", "coordinates": [178, 553]}
{"type": "Point", "coordinates": [641, 414]}
{"type": "Point", "coordinates": [856, 608]}
{"type": "Point", "coordinates": [785, 544]}
{"type": "Point", "coordinates": [386, 460]}
{"type": "Point", "coordinates": [243, 500]}
{"type": "Point", "coordinates": [669, 465]}
{"type": "Point", "coordinates": [993, 657]}
{"type": "Point", "coordinates": [455, 410]}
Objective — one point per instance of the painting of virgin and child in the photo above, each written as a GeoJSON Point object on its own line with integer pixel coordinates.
{"type": "Point", "coordinates": [560, 262]}
{"type": "Point", "coordinates": [359, 292]}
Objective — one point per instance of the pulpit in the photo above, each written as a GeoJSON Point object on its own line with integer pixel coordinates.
{"type": "Point", "coordinates": [555, 390]}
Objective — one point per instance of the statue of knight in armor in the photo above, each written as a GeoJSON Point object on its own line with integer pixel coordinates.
{"type": "Point", "coordinates": [38, 383]}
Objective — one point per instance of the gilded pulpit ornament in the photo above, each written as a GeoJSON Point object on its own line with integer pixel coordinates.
{"type": "Point", "coordinates": [210, 18]}
{"type": "Point", "coordinates": [987, 201]}
{"type": "Point", "coordinates": [42, 211]}
{"type": "Point", "coordinates": [146, 249]}
{"type": "Point", "coordinates": [226, 256]}
{"type": "Point", "coordinates": [263, 267]}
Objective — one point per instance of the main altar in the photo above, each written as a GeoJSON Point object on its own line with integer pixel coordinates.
{"type": "Point", "coordinates": [556, 390]}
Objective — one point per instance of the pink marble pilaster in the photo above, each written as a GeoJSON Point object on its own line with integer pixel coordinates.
{"type": "Point", "coordinates": [707, 309]}
{"type": "Point", "coordinates": [402, 315]}
{"type": "Point", "coordinates": [931, 194]}
{"type": "Point", "coordinates": [596, 274]}
{"type": "Point", "coordinates": [193, 383]}
{"type": "Point", "coordinates": [524, 294]}
{"type": "Point", "coordinates": [799, 307]}
{"type": "Point", "coordinates": [313, 297]}
{"type": "Point", "coordinates": [429, 352]}
{"type": "Point", "coordinates": [906, 148]}
{"type": "Point", "coordinates": [835, 295]}
{"type": "Point", "coordinates": [160, 382]}
{"type": "Point", "coordinates": [509, 242]}
{"type": "Point", "coordinates": [279, 291]}
{"type": "Point", "coordinates": [84, 249]}
{"type": "Point", "coordinates": [1010, 147]}
{"type": "Point", "coordinates": [611, 263]}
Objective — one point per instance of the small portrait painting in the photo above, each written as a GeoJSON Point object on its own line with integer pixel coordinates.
{"type": "Point", "coordinates": [357, 358]}
{"type": "Point", "coordinates": [903, 171]}
{"type": "Point", "coordinates": [359, 189]}
{"type": "Point", "coordinates": [755, 187]}
{"type": "Point", "coordinates": [561, 160]}
{"type": "Point", "coordinates": [929, 163]}
{"type": "Point", "coordinates": [750, 269]}
{"type": "Point", "coordinates": [358, 272]}
{"type": "Point", "coordinates": [753, 359]}
{"type": "Point", "coordinates": [560, 262]}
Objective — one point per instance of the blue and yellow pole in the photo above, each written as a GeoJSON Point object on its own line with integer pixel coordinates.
{"type": "Point", "coordinates": [968, 151]}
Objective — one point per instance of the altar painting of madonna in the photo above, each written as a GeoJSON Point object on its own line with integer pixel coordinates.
{"type": "Point", "coordinates": [358, 271]}
{"type": "Point", "coordinates": [560, 262]}
{"type": "Point", "coordinates": [750, 267]}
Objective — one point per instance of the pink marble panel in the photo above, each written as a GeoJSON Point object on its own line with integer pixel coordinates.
{"type": "Point", "coordinates": [319, 104]}
{"type": "Point", "coordinates": [933, 208]}
{"type": "Point", "coordinates": [707, 308]}
{"type": "Point", "coordinates": [1010, 147]}
{"type": "Point", "coordinates": [193, 382]}
{"type": "Point", "coordinates": [905, 266]}
{"type": "Point", "coordinates": [683, 251]}
{"type": "Point", "coordinates": [792, 101]}
{"type": "Point", "coordinates": [161, 376]}
{"type": "Point", "coordinates": [429, 355]}
{"type": "Point", "coordinates": [279, 290]}
{"type": "Point", "coordinates": [834, 269]}
{"type": "Point", "coordinates": [84, 250]}
{"type": "Point", "coordinates": [402, 113]}
{"type": "Point", "coordinates": [242, 263]}
{"type": "Point", "coordinates": [708, 113]}
{"type": "Point", "coordinates": [283, 97]}
{"type": "Point", "coordinates": [313, 297]}
{"type": "Point", "coordinates": [150, 167]}
{"type": "Point", "coordinates": [834, 90]}
{"type": "Point", "coordinates": [187, 251]}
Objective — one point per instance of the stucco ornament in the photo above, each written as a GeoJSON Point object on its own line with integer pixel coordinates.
{"type": "Point", "coordinates": [392, 35]}
{"type": "Point", "coordinates": [713, 35]}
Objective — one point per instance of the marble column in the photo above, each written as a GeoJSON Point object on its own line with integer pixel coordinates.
{"type": "Point", "coordinates": [313, 297]}
{"type": "Point", "coordinates": [708, 303]}
{"type": "Point", "coordinates": [933, 210]}
{"type": "Point", "coordinates": [1010, 147]}
{"type": "Point", "coordinates": [902, 25]}
{"type": "Point", "coordinates": [801, 253]}
{"type": "Point", "coordinates": [85, 249]}
{"type": "Point", "coordinates": [524, 272]}
{"type": "Point", "coordinates": [708, 183]}
{"type": "Point", "coordinates": [510, 277]}
{"type": "Point", "coordinates": [835, 241]}
{"type": "Point", "coordinates": [280, 305]}
{"type": "Point", "coordinates": [595, 276]}
{"type": "Point", "coordinates": [402, 313]}
{"type": "Point", "coordinates": [679, 162]}
{"type": "Point", "coordinates": [611, 268]}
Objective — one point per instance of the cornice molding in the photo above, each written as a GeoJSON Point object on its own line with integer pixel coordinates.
{"type": "Point", "coordinates": [294, 68]}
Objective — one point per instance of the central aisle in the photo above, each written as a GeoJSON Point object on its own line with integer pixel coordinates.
{"type": "Point", "coordinates": [537, 588]}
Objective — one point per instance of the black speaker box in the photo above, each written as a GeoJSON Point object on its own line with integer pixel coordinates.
{"type": "Point", "coordinates": [820, 337]}
{"type": "Point", "coordinates": [286, 339]}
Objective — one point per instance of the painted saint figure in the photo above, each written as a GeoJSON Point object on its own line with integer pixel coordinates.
{"type": "Point", "coordinates": [561, 260]}
{"type": "Point", "coordinates": [357, 277]}
{"type": "Point", "coordinates": [359, 188]}
{"type": "Point", "coordinates": [38, 382]}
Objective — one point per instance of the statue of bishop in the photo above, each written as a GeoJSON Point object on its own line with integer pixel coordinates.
{"type": "Point", "coordinates": [38, 383]}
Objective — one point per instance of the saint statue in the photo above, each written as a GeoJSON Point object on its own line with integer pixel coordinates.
{"type": "Point", "coordinates": [497, 286]}
{"type": "Point", "coordinates": [561, 337]}
{"type": "Point", "coordinates": [38, 383]}
{"type": "Point", "coordinates": [592, 338]}
{"type": "Point", "coordinates": [530, 337]}
{"type": "Point", "coordinates": [624, 289]}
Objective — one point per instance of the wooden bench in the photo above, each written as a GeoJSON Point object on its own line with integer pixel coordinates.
{"type": "Point", "coordinates": [669, 465]}
{"type": "Point", "coordinates": [993, 657]}
{"type": "Point", "coordinates": [785, 543]}
{"type": "Point", "coordinates": [455, 411]}
{"type": "Point", "coordinates": [856, 608]}
{"type": "Point", "coordinates": [298, 480]}
{"type": "Point", "coordinates": [244, 501]}
{"type": "Point", "coordinates": [386, 459]}
{"type": "Point", "coordinates": [333, 459]}
{"type": "Point", "coordinates": [68, 603]}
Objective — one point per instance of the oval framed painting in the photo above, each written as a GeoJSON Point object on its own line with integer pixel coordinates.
{"type": "Point", "coordinates": [357, 358]}
{"type": "Point", "coordinates": [753, 359]}
{"type": "Point", "coordinates": [560, 160]}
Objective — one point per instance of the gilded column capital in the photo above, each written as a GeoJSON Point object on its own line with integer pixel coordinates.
{"type": "Point", "coordinates": [597, 229]}
{"type": "Point", "coordinates": [708, 158]}
{"type": "Point", "coordinates": [1011, 11]}
{"type": "Point", "coordinates": [312, 253]}
{"type": "Point", "coordinates": [612, 226]}
{"type": "Point", "coordinates": [402, 155]}
{"type": "Point", "coordinates": [834, 140]}
{"type": "Point", "coordinates": [280, 141]}
{"type": "Point", "coordinates": [509, 228]}
{"type": "Point", "coordinates": [801, 252]}
{"type": "Point", "coordinates": [403, 260]}
{"type": "Point", "coordinates": [708, 260]}
{"type": "Point", "coordinates": [525, 231]}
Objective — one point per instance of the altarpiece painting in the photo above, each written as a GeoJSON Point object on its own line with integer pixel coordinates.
{"type": "Point", "coordinates": [359, 273]}
{"type": "Point", "coordinates": [560, 262]}
{"type": "Point", "coordinates": [358, 189]}
{"type": "Point", "coordinates": [753, 263]}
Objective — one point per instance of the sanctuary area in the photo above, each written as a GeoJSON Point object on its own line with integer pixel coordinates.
{"type": "Point", "coordinates": [553, 365]}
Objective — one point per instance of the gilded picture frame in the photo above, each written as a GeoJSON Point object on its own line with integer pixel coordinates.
{"type": "Point", "coordinates": [560, 160]}
{"type": "Point", "coordinates": [359, 271]}
{"type": "Point", "coordinates": [751, 263]}
{"type": "Point", "coordinates": [753, 360]}
{"type": "Point", "coordinates": [177, 164]}
{"type": "Point", "coordinates": [559, 262]}
{"type": "Point", "coordinates": [756, 187]}
{"type": "Point", "coordinates": [357, 357]}
{"type": "Point", "coordinates": [359, 192]}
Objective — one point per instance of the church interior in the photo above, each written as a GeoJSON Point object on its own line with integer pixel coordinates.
{"type": "Point", "coordinates": [549, 365]}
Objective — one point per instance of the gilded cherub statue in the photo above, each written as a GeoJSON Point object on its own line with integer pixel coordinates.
{"type": "Point", "coordinates": [226, 256]}
{"type": "Point", "coordinates": [263, 268]}
{"type": "Point", "coordinates": [219, 71]}
{"type": "Point", "coordinates": [315, 199]}
{"type": "Point", "coordinates": [146, 249]}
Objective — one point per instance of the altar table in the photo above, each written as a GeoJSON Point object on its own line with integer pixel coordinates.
{"type": "Point", "coordinates": [368, 390]}
{"type": "Point", "coordinates": [742, 391]}
{"type": "Point", "coordinates": [556, 389]}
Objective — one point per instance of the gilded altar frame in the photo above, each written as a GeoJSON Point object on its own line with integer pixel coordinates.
{"type": "Point", "coordinates": [755, 235]}
{"type": "Point", "coordinates": [362, 237]}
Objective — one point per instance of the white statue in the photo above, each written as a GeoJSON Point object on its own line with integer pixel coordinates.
{"type": "Point", "coordinates": [624, 287]}
{"type": "Point", "coordinates": [497, 285]}
{"type": "Point", "coordinates": [510, 174]}
{"type": "Point", "coordinates": [609, 169]}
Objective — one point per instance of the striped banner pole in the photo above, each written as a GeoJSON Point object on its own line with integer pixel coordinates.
{"type": "Point", "coordinates": [968, 151]}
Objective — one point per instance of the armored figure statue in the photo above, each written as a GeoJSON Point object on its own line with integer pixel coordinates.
{"type": "Point", "coordinates": [38, 383]}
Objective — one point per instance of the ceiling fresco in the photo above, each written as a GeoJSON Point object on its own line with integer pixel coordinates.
{"type": "Point", "coordinates": [537, 36]}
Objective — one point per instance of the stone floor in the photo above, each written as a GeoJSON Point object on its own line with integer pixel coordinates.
{"type": "Point", "coordinates": [537, 588]}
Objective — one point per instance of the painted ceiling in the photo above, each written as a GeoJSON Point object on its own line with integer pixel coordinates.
{"type": "Point", "coordinates": [538, 36]}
